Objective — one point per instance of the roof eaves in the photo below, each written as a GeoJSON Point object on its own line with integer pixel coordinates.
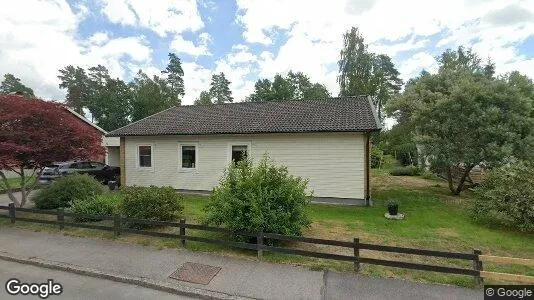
{"type": "Point", "coordinates": [85, 119]}
{"type": "Point", "coordinates": [375, 114]}
{"type": "Point", "coordinates": [250, 132]}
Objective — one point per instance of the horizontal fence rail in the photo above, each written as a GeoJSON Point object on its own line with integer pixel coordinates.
{"type": "Point", "coordinates": [123, 225]}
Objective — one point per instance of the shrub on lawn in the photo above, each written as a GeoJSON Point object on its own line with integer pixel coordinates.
{"type": "Point", "coordinates": [377, 157]}
{"type": "Point", "coordinates": [506, 198]}
{"type": "Point", "coordinates": [405, 171]}
{"type": "Point", "coordinates": [65, 189]}
{"type": "Point", "coordinates": [98, 205]}
{"type": "Point", "coordinates": [151, 203]}
{"type": "Point", "coordinates": [429, 175]}
{"type": "Point", "coordinates": [263, 197]}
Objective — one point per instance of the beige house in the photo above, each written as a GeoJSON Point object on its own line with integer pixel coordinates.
{"type": "Point", "coordinates": [188, 147]}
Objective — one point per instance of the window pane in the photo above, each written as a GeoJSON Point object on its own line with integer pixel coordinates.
{"type": "Point", "coordinates": [83, 166]}
{"type": "Point", "coordinates": [239, 153]}
{"type": "Point", "coordinates": [188, 156]}
{"type": "Point", "coordinates": [145, 150]}
{"type": "Point", "coordinates": [145, 161]}
{"type": "Point", "coordinates": [97, 165]}
{"type": "Point", "coordinates": [145, 156]}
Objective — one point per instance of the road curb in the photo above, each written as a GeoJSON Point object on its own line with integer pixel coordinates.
{"type": "Point", "coordinates": [177, 289]}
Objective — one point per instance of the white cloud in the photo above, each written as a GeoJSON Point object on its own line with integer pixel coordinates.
{"type": "Point", "coordinates": [393, 49]}
{"type": "Point", "coordinates": [180, 45]}
{"type": "Point", "coordinates": [314, 34]}
{"type": "Point", "coordinates": [196, 79]}
{"type": "Point", "coordinates": [99, 38]}
{"type": "Point", "coordinates": [43, 39]}
{"type": "Point", "coordinates": [161, 16]}
{"type": "Point", "coordinates": [412, 66]}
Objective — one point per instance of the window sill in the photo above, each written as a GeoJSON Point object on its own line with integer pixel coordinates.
{"type": "Point", "coordinates": [187, 170]}
{"type": "Point", "coordinates": [148, 169]}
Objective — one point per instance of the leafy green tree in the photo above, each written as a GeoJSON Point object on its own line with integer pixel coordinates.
{"type": "Point", "coordinates": [464, 60]}
{"type": "Point", "coordinates": [262, 91]}
{"type": "Point", "coordinates": [482, 122]}
{"type": "Point", "coordinates": [521, 82]}
{"type": "Point", "coordinates": [151, 95]}
{"type": "Point", "coordinates": [399, 141]}
{"type": "Point", "coordinates": [365, 73]}
{"type": "Point", "coordinates": [429, 88]}
{"type": "Point", "coordinates": [76, 82]}
{"type": "Point", "coordinates": [12, 84]}
{"type": "Point", "coordinates": [282, 88]}
{"type": "Point", "coordinates": [96, 85]}
{"type": "Point", "coordinates": [175, 77]}
{"type": "Point", "coordinates": [316, 91]}
{"type": "Point", "coordinates": [462, 116]}
{"type": "Point", "coordinates": [116, 98]}
{"type": "Point", "coordinates": [295, 86]}
{"type": "Point", "coordinates": [203, 99]}
{"type": "Point", "coordinates": [220, 89]}
{"type": "Point", "coordinates": [107, 99]}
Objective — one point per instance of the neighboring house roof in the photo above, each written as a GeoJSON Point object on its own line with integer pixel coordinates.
{"type": "Point", "coordinates": [348, 114]}
{"type": "Point", "coordinates": [107, 141]}
{"type": "Point", "coordinates": [84, 119]}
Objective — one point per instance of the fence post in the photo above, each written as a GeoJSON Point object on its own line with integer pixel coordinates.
{"type": "Point", "coordinates": [477, 266]}
{"type": "Point", "coordinates": [259, 244]}
{"type": "Point", "coordinates": [12, 212]}
{"type": "Point", "coordinates": [357, 255]}
{"type": "Point", "coordinates": [182, 231]}
{"type": "Point", "coordinates": [116, 225]}
{"type": "Point", "coordinates": [61, 218]}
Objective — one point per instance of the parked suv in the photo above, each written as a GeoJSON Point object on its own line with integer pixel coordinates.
{"type": "Point", "coordinates": [99, 171]}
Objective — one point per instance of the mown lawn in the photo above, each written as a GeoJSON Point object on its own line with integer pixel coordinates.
{"type": "Point", "coordinates": [15, 182]}
{"type": "Point", "coordinates": [434, 220]}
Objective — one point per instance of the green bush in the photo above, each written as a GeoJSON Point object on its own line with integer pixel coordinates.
{"type": "Point", "coordinates": [262, 197]}
{"type": "Point", "coordinates": [405, 171]}
{"type": "Point", "coordinates": [377, 157]}
{"type": "Point", "coordinates": [151, 203]}
{"type": "Point", "coordinates": [99, 205]}
{"type": "Point", "coordinates": [393, 207]}
{"type": "Point", "coordinates": [506, 198]}
{"type": "Point", "coordinates": [65, 189]}
{"type": "Point", "coordinates": [429, 175]}
{"type": "Point", "coordinates": [388, 162]}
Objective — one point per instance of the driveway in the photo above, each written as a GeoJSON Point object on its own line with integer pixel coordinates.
{"type": "Point", "coordinates": [4, 199]}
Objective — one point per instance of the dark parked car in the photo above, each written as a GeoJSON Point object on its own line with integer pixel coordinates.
{"type": "Point", "coordinates": [99, 171]}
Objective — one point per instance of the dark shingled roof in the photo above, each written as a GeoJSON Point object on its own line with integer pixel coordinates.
{"type": "Point", "coordinates": [349, 114]}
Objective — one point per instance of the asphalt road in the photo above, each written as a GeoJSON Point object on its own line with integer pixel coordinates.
{"type": "Point", "coordinates": [75, 286]}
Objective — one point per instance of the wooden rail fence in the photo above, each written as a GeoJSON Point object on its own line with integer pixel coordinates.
{"type": "Point", "coordinates": [120, 225]}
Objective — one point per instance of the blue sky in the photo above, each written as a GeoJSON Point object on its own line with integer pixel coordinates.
{"type": "Point", "coordinates": [251, 39]}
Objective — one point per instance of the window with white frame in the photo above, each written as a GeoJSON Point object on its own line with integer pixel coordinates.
{"type": "Point", "coordinates": [188, 156]}
{"type": "Point", "coordinates": [239, 152]}
{"type": "Point", "coordinates": [145, 156]}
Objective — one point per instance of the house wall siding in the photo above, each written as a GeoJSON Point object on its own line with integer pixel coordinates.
{"type": "Point", "coordinates": [333, 162]}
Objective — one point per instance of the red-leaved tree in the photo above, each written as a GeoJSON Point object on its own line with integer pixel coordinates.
{"type": "Point", "coordinates": [35, 133]}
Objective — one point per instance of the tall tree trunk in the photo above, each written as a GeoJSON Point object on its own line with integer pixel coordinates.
{"type": "Point", "coordinates": [467, 170]}
{"type": "Point", "coordinates": [22, 187]}
{"type": "Point", "coordinates": [449, 179]}
{"type": "Point", "coordinates": [9, 190]}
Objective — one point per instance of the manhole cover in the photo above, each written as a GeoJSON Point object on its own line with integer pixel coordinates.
{"type": "Point", "coordinates": [195, 273]}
